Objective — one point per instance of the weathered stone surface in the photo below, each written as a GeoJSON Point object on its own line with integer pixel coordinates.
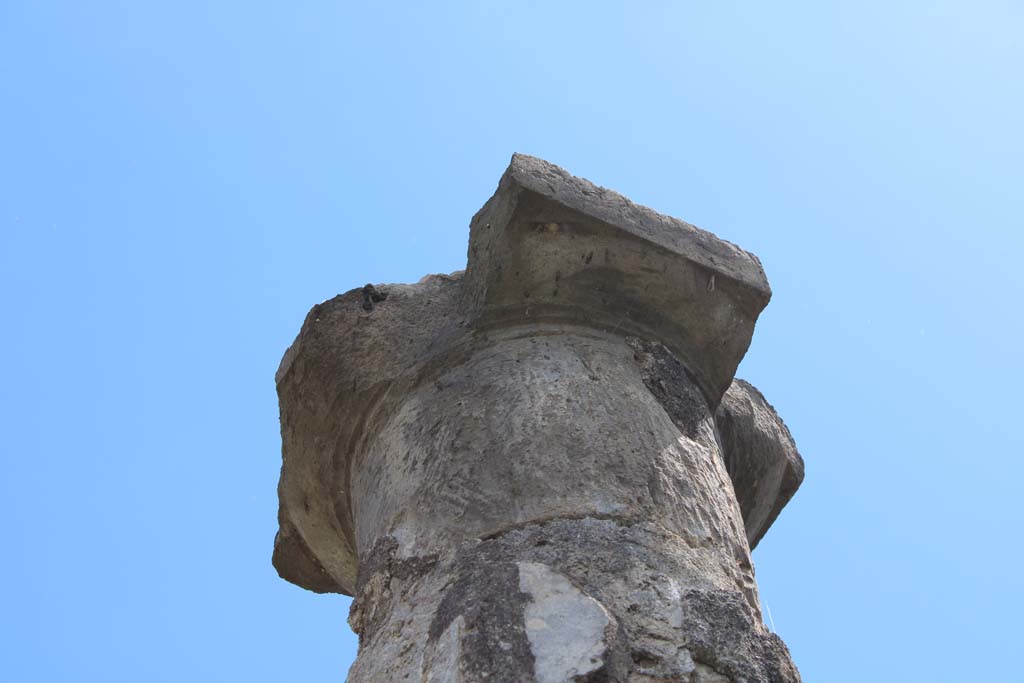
{"type": "Point", "coordinates": [541, 469]}
{"type": "Point", "coordinates": [336, 382]}
{"type": "Point", "coordinates": [760, 455]}
{"type": "Point", "coordinates": [550, 246]}
{"type": "Point", "coordinates": [567, 600]}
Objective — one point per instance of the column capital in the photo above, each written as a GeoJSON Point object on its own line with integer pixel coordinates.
{"type": "Point", "coordinates": [548, 253]}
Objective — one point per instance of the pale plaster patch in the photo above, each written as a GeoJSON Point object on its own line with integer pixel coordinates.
{"type": "Point", "coordinates": [566, 628]}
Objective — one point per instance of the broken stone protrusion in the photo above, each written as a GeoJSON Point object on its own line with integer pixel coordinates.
{"type": "Point", "coordinates": [371, 296]}
{"type": "Point", "coordinates": [760, 455]}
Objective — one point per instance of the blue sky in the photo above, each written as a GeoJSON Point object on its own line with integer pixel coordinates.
{"type": "Point", "coordinates": [181, 181]}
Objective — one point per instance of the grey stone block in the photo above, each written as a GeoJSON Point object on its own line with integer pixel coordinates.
{"type": "Point", "coordinates": [541, 469]}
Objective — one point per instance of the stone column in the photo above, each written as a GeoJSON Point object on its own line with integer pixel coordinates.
{"type": "Point", "coordinates": [541, 470]}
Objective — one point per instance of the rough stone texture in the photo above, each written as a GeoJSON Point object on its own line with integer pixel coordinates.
{"type": "Point", "coordinates": [622, 601]}
{"type": "Point", "coordinates": [541, 469]}
{"type": "Point", "coordinates": [760, 456]}
{"type": "Point", "coordinates": [549, 246]}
